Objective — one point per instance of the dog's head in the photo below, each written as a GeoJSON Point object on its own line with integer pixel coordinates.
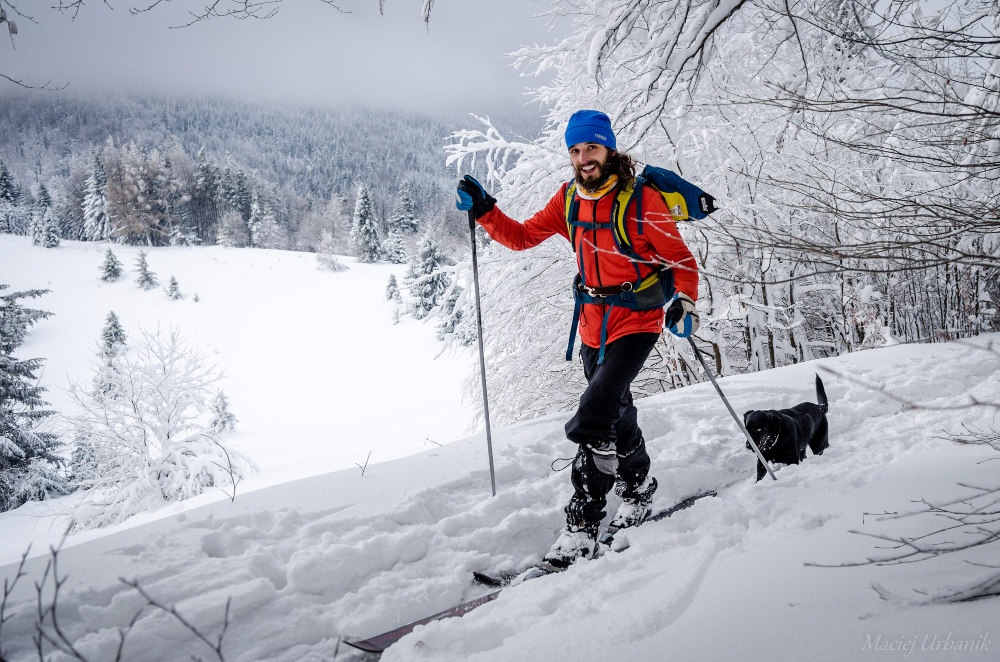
{"type": "Point", "coordinates": [764, 427]}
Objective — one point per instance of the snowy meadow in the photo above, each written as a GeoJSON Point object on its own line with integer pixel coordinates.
{"type": "Point", "coordinates": [325, 541]}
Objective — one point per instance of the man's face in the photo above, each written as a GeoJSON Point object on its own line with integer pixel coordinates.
{"type": "Point", "coordinates": [590, 162]}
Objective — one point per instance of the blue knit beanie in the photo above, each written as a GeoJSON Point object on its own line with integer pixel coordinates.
{"type": "Point", "coordinates": [590, 126]}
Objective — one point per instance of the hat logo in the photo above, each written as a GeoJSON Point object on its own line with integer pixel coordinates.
{"type": "Point", "coordinates": [600, 136]}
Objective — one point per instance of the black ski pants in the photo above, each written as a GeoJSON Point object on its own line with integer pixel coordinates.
{"type": "Point", "coordinates": [606, 413]}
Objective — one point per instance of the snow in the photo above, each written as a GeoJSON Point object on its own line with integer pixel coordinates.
{"type": "Point", "coordinates": [313, 548]}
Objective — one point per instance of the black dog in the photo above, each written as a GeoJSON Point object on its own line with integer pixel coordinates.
{"type": "Point", "coordinates": [783, 434]}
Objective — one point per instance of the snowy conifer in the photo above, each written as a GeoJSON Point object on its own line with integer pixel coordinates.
{"type": "Point", "coordinates": [452, 312]}
{"type": "Point", "coordinates": [392, 289]}
{"type": "Point", "coordinates": [113, 336]}
{"type": "Point", "coordinates": [254, 222]}
{"type": "Point", "coordinates": [111, 269]}
{"type": "Point", "coordinates": [147, 279]}
{"type": "Point", "coordinates": [96, 224]}
{"type": "Point", "coordinates": [364, 233]}
{"type": "Point", "coordinates": [174, 290]}
{"type": "Point", "coordinates": [404, 221]}
{"type": "Point", "coordinates": [49, 235]}
{"type": "Point", "coordinates": [37, 228]}
{"type": "Point", "coordinates": [28, 463]}
{"type": "Point", "coordinates": [8, 189]}
{"type": "Point", "coordinates": [43, 200]}
{"type": "Point", "coordinates": [394, 250]}
{"type": "Point", "coordinates": [222, 418]}
{"type": "Point", "coordinates": [427, 278]}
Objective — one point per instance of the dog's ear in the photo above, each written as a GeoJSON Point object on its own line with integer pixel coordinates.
{"type": "Point", "coordinates": [746, 414]}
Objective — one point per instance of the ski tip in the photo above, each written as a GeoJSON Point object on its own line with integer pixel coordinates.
{"type": "Point", "coordinates": [488, 580]}
{"type": "Point", "coordinates": [365, 645]}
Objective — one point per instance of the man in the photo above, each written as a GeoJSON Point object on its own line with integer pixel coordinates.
{"type": "Point", "coordinates": [617, 334]}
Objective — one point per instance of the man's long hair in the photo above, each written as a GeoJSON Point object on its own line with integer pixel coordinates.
{"type": "Point", "coordinates": [623, 165]}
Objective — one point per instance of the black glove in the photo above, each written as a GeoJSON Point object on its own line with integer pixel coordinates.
{"type": "Point", "coordinates": [472, 195]}
{"type": "Point", "coordinates": [681, 317]}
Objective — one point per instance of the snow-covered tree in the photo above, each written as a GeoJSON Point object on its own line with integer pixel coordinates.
{"type": "Point", "coordinates": [404, 221]}
{"type": "Point", "coordinates": [394, 250]}
{"type": "Point", "coordinates": [452, 313]}
{"type": "Point", "coordinates": [232, 230]}
{"type": "Point", "coordinates": [364, 231]}
{"type": "Point", "coordinates": [29, 465]}
{"type": "Point", "coordinates": [392, 289]}
{"type": "Point", "coordinates": [96, 224]}
{"type": "Point", "coordinates": [428, 277]}
{"type": "Point", "coordinates": [222, 418]}
{"type": "Point", "coordinates": [174, 289]}
{"type": "Point", "coordinates": [49, 235]}
{"type": "Point", "coordinates": [326, 254]}
{"type": "Point", "coordinates": [111, 268]}
{"type": "Point", "coordinates": [43, 199]}
{"type": "Point", "coordinates": [113, 336]}
{"type": "Point", "coordinates": [8, 187]}
{"type": "Point", "coordinates": [152, 435]}
{"type": "Point", "coordinates": [147, 280]}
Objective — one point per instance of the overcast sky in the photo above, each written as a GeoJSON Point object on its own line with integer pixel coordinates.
{"type": "Point", "coordinates": [308, 53]}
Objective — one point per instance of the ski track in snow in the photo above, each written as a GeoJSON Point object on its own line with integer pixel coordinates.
{"type": "Point", "coordinates": [306, 562]}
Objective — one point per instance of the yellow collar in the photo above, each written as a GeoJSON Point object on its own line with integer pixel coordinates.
{"type": "Point", "coordinates": [600, 193]}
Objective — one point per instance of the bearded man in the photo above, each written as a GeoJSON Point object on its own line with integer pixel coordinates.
{"type": "Point", "coordinates": [626, 292]}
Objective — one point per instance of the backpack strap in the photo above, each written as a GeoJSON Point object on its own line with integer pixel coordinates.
{"type": "Point", "coordinates": [623, 296]}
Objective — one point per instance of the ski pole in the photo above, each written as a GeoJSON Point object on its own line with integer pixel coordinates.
{"type": "Point", "coordinates": [753, 444]}
{"type": "Point", "coordinates": [482, 355]}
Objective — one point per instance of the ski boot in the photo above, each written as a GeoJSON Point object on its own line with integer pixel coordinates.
{"type": "Point", "coordinates": [575, 542]}
{"type": "Point", "coordinates": [636, 505]}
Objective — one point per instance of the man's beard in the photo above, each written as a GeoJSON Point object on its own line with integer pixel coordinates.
{"type": "Point", "coordinates": [595, 185]}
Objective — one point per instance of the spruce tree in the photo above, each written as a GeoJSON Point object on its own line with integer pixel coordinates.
{"type": "Point", "coordinates": [174, 290]}
{"type": "Point", "coordinates": [8, 188]}
{"type": "Point", "coordinates": [222, 418]}
{"type": "Point", "coordinates": [37, 228]}
{"type": "Point", "coordinates": [49, 235]}
{"type": "Point", "coordinates": [147, 279]}
{"type": "Point", "coordinates": [43, 199]}
{"type": "Point", "coordinates": [404, 221]}
{"type": "Point", "coordinates": [428, 280]}
{"type": "Point", "coordinates": [453, 313]}
{"type": "Point", "coordinates": [113, 336]}
{"type": "Point", "coordinates": [111, 270]}
{"type": "Point", "coordinates": [394, 249]}
{"type": "Point", "coordinates": [28, 463]}
{"type": "Point", "coordinates": [96, 224]}
{"type": "Point", "coordinates": [392, 289]}
{"type": "Point", "coordinates": [364, 234]}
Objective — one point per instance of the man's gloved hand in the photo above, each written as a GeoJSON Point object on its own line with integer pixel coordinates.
{"type": "Point", "coordinates": [681, 317]}
{"type": "Point", "coordinates": [471, 195]}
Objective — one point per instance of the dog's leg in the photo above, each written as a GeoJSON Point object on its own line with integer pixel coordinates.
{"type": "Point", "coordinates": [821, 440]}
{"type": "Point", "coordinates": [761, 471]}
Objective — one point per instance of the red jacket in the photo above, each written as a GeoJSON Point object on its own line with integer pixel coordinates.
{"type": "Point", "coordinates": [603, 263]}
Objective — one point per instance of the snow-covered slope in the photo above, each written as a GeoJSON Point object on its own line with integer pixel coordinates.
{"type": "Point", "coordinates": [344, 553]}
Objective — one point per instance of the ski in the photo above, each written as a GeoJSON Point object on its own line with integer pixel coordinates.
{"type": "Point", "coordinates": [378, 643]}
{"type": "Point", "coordinates": [507, 578]}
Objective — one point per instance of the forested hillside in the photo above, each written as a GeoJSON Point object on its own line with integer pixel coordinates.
{"type": "Point", "coordinates": [159, 170]}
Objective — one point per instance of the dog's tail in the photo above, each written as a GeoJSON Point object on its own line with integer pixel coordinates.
{"type": "Point", "coordinates": [821, 395]}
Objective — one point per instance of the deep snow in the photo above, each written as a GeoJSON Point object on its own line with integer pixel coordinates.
{"type": "Point", "coordinates": [307, 553]}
